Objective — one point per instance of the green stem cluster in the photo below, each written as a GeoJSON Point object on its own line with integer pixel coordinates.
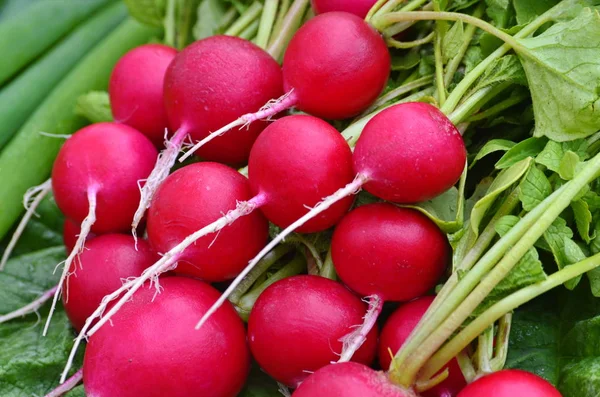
{"type": "Point", "coordinates": [472, 289]}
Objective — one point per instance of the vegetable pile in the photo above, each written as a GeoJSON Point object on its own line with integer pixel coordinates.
{"type": "Point", "coordinates": [328, 198]}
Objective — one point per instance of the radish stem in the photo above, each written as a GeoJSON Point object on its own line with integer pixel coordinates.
{"type": "Point", "coordinates": [266, 23]}
{"type": "Point", "coordinates": [504, 306]}
{"type": "Point", "coordinates": [249, 16]}
{"type": "Point", "coordinates": [290, 24]}
{"type": "Point", "coordinates": [406, 372]}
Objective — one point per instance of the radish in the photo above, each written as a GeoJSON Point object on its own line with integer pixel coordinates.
{"type": "Point", "coordinates": [193, 197]}
{"type": "Point", "coordinates": [395, 332]}
{"type": "Point", "coordinates": [357, 7]}
{"type": "Point", "coordinates": [298, 325]}
{"type": "Point", "coordinates": [395, 253]}
{"type": "Point", "coordinates": [151, 348]}
{"type": "Point", "coordinates": [212, 81]}
{"type": "Point", "coordinates": [388, 159]}
{"type": "Point", "coordinates": [388, 253]}
{"type": "Point", "coordinates": [95, 181]}
{"type": "Point", "coordinates": [349, 380]}
{"type": "Point", "coordinates": [105, 262]}
{"type": "Point", "coordinates": [70, 232]}
{"type": "Point", "coordinates": [335, 66]}
{"type": "Point", "coordinates": [510, 383]}
{"type": "Point", "coordinates": [136, 90]}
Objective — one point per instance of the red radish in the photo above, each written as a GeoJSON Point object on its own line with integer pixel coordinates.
{"type": "Point", "coordinates": [395, 332]}
{"type": "Point", "coordinates": [335, 66]}
{"type": "Point", "coordinates": [396, 253]}
{"type": "Point", "coordinates": [419, 153]}
{"type": "Point", "coordinates": [70, 232]}
{"type": "Point", "coordinates": [95, 181]}
{"type": "Point", "coordinates": [193, 197]}
{"type": "Point", "coordinates": [294, 164]}
{"type": "Point", "coordinates": [211, 82]}
{"type": "Point", "coordinates": [349, 380]}
{"type": "Point", "coordinates": [136, 90]}
{"type": "Point", "coordinates": [102, 163]}
{"type": "Point", "coordinates": [298, 324]}
{"type": "Point", "coordinates": [357, 7]}
{"type": "Point", "coordinates": [386, 140]}
{"type": "Point", "coordinates": [510, 383]}
{"type": "Point", "coordinates": [151, 349]}
{"type": "Point", "coordinates": [105, 262]}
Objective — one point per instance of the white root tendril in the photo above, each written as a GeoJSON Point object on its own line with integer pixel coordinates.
{"type": "Point", "coordinates": [354, 340]}
{"type": "Point", "coordinates": [164, 162]}
{"type": "Point", "coordinates": [30, 307]}
{"type": "Point", "coordinates": [283, 389]}
{"type": "Point", "coordinates": [348, 190]}
{"type": "Point", "coordinates": [270, 109]}
{"type": "Point", "coordinates": [68, 385]}
{"type": "Point", "coordinates": [166, 263]}
{"type": "Point", "coordinates": [86, 225]}
{"type": "Point", "coordinates": [31, 200]}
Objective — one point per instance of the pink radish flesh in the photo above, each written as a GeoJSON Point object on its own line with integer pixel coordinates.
{"type": "Point", "coordinates": [397, 253]}
{"type": "Point", "coordinates": [296, 325]}
{"type": "Point", "coordinates": [151, 349]}
{"type": "Point", "coordinates": [193, 197]}
{"type": "Point", "coordinates": [214, 81]}
{"type": "Point", "coordinates": [100, 270]}
{"type": "Point", "coordinates": [136, 90]}
{"type": "Point", "coordinates": [295, 163]}
{"type": "Point", "coordinates": [70, 232]}
{"type": "Point", "coordinates": [410, 152]}
{"type": "Point", "coordinates": [111, 158]}
{"type": "Point", "coordinates": [395, 332]}
{"type": "Point", "coordinates": [349, 380]}
{"type": "Point", "coordinates": [510, 383]}
{"type": "Point", "coordinates": [359, 8]}
{"type": "Point", "coordinates": [336, 65]}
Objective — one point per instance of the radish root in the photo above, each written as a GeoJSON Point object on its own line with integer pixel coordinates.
{"type": "Point", "coordinates": [165, 161]}
{"type": "Point", "coordinates": [32, 198]}
{"type": "Point", "coordinates": [348, 190]}
{"type": "Point", "coordinates": [68, 385]}
{"type": "Point", "coordinates": [29, 308]}
{"type": "Point", "coordinates": [354, 340]}
{"type": "Point", "coordinates": [269, 110]}
{"type": "Point", "coordinates": [86, 225]}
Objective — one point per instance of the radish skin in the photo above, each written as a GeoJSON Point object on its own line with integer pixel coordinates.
{"type": "Point", "coordinates": [136, 90]}
{"type": "Point", "coordinates": [396, 253]}
{"type": "Point", "coordinates": [99, 270]}
{"type": "Point", "coordinates": [510, 383]}
{"type": "Point", "coordinates": [297, 324]}
{"type": "Point", "coordinates": [349, 380]}
{"type": "Point", "coordinates": [168, 358]}
{"type": "Point", "coordinates": [360, 8]}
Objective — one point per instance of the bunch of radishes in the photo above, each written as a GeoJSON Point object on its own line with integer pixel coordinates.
{"type": "Point", "coordinates": [206, 221]}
